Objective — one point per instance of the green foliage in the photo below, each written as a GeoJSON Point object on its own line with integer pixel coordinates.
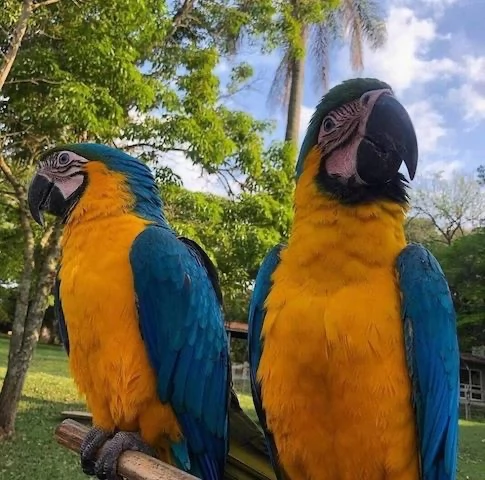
{"type": "Point", "coordinates": [143, 72]}
{"type": "Point", "coordinates": [10, 242]}
{"type": "Point", "coordinates": [481, 174]}
{"type": "Point", "coordinates": [422, 230]}
{"type": "Point", "coordinates": [295, 17]}
{"type": "Point", "coordinates": [237, 232]}
{"type": "Point", "coordinates": [464, 265]}
{"type": "Point", "coordinates": [4, 315]}
{"type": "Point", "coordinates": [139, 71]}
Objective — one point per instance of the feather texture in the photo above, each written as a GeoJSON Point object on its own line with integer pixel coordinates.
{"type": "Point", "coordinates": [433, 359]}
{"type": "Point", "coordinates": [334, 383]}
{"type": "Point", "coordinates": [147, 307]}
{"type": "Point", "coordinates": [148, 310]}
{"type": "Point", "coordinates": [255, 343]}
{"type": "Point", "coordinates": [182, 327]}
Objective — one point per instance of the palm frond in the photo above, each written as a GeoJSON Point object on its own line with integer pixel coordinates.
{"type": "Point", "coordinates": [373, 23]}
{"type": "Point", "coordinates": [322, 38]}
{"type": "Point", "coordinates": [279, 92]}
{"type": "Point", "coordinates": [362, 21]}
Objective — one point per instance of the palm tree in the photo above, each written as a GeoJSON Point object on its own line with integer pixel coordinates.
{"type": "Point", "coordinates": [355, 21]}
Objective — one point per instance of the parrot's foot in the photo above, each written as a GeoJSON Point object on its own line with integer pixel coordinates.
{"type": "Point", "coordinates": [92, 442]}
{"type": "Point", "coordinates": [108, 461]}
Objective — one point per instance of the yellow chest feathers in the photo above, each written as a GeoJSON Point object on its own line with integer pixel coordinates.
{"type": "Point", "coordinates": [96, 279]}
{"type": "Point", "coordinates": [107, 354]}
{"type": "Point", "coordinates": [335, 384]}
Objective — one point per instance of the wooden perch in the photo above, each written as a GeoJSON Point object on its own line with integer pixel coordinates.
{"type": "Point", "coordinates": [131, 465]}
{"type": "Point", "coordinates": [78, 415]}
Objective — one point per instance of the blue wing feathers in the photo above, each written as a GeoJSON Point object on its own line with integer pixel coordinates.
{"type": "Point", "coordinates": [256, 308]}
{"type": "Point", "coordinates": [182, 326]}
{"type": "Point", "coordinates": [257, 311]}
{"type": "Point", "coordinates": [433, 359]}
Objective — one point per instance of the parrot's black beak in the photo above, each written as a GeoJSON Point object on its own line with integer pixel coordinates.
{"type": "Point", "coordinates": [38, 196]}
{"type": "Point", "coordinates": [44, 196]}
{"type": "Point", "coordinates": [389, 141]}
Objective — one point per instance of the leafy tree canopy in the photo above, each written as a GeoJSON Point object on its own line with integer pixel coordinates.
{"type": "Point", "coordinates": [464, 265]}
{"type": "Point", "coordinates": [237, 233]}
{"type": "Point", "coordinates": [140, 71]}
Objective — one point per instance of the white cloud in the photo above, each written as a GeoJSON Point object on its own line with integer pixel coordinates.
{"type": "Point", "coordinates": [437, 7]}
{"type": "Point", "coordinates": [471, 99]}
{"type": "Point", "coordinates": [222, 67]}
{"type": "Point", "coordinates": [402, 62]}
{"type": "Point", "coordinates": [447, 169]}
{"type": "Point", "coordinates": [193, 176]}
{"type": "Point", "coordinates": [470, 96]}
{"type": "Point", "coordinates": [429, 125]}
{"type": "Point", "coordinates": [474, 67]}
{"type": "Point", "coordinates": [306, 114]}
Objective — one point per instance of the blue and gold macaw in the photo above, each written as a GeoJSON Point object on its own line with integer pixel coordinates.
{"type": "Point", "coordinates": [352, 333]}
{"type": "Point", "coordinates": [140, 313]}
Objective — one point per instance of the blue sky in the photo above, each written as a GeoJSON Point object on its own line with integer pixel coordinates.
{"type": "Point", "coordinates": [435, 61]}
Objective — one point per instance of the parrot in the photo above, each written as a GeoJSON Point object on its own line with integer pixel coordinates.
{"type": "Point", "coordinates": [141, 318]}
{"type": "Point", "coordinates": [353, 350]}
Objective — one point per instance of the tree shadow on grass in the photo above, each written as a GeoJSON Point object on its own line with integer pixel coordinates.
{"type": "Point", "coordinates": [33, 453]}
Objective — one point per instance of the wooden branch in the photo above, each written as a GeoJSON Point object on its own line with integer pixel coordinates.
{"type": "Point", "coordinates": [28, 7]}
{"type": "Point", "coordinates": [180, 17]}
{"type": "Point", "coordinates": [7, 172]}
{"type": "Point", "coordinates": [17, 37]}
{"type": "Point", "coordinates": [80, 415]}
{"type": "Point", "coordinates": [131, 465]}
{"type": "Point", "coordinates": [46, 3]}
{"type": "Point", "coordinates": [34, 81]}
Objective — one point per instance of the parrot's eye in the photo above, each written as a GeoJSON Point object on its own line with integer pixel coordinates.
{"type": "Point", "coordinates": [63, 159]}
{"type": "Point", "coordinates": [328, 125]}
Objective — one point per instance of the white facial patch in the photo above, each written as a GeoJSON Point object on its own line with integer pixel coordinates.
{"type": "Point", "coordinates": [68, 185]}
{"type": "Point", "coordinates": [342, 162]}
{"type": "Point", "coordinates": [65, 169]}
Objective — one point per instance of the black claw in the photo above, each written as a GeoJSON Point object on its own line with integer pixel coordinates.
{"type": "Point", "coordinates": [92, 442]}
{"type": "Point", "coordinates": [106, 465]}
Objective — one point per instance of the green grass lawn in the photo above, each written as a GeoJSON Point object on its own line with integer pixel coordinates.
{"type": "Point", "coordinates": [34, 455]}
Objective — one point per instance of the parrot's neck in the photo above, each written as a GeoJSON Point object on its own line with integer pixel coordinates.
{"type": "Point", "coordinates": [108, 195]}
{"type": "Point", "coordinates": [339, 243]}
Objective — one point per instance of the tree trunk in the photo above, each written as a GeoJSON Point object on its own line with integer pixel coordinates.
{"type": "Point", "coordinates": [22, 303]}
{"type": "Point", "coordinates": [17, 37]}
{"type": "Point", "coordinates": [18, 34]}
{"type": "Point", "coordinates": [296, 96]}
{"type": "Point", "coordinates": [27, 320]}
{"type": "Point", "coordinates": [26, 332]}
{"type": "Point", "coordinates": [18, 357]}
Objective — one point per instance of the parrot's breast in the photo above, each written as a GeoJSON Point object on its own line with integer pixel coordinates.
{"type": "Point", "coordinates": [107, 358]}
{"type": "Point", "coordinates": [335, 384]}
